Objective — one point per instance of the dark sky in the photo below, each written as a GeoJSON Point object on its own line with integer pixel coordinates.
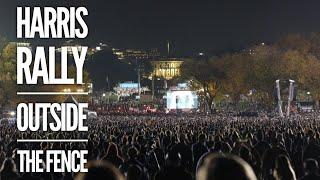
{"type": "Point", "coordinates": [193, 26]}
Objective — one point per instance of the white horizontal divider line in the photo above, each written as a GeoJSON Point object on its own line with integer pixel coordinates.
{"type": "Point", "coordinates": [51, 140]}
{"type": "Point", "coordinates": [52, 93]}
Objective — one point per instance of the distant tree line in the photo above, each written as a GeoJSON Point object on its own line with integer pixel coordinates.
{"type": "Point", "coordinates": [257, 68]}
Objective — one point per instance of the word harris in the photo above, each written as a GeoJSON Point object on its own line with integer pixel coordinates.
{"type": "Point", "coordinates": [50, 22]}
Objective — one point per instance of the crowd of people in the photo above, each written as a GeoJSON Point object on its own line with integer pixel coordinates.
{"type": "Point", "coordinates": [201, 147]}
{"type": "Point", "coordinates": [128, 109]}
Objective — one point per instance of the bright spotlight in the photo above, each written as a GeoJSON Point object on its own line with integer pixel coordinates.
{"type": "Point", "coordinates": [12, 113]}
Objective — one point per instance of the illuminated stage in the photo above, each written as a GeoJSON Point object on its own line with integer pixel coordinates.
{"type": "Point", "coordinates": [182, 100]}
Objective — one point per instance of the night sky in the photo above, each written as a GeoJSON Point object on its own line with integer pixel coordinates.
{"type": "Point", "coordinates": [194, 26]}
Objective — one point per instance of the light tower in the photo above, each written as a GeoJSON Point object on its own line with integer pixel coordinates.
{"type": "Point", "coordinates": [168, 48]}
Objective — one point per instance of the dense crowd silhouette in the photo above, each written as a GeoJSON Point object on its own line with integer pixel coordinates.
{"type": "Point", "coordinates": [163, 147]}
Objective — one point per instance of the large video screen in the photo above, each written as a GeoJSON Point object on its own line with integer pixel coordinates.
{"type": "Point", "coordinates": [182, 100]}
